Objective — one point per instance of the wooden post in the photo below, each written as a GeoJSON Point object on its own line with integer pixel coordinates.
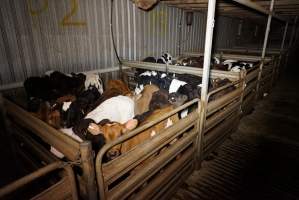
{"type": "Point", "coordinates": [88, 169]}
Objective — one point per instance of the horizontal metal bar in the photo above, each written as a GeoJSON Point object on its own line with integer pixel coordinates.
{"type": "Point", "coordinates": [252, 51]}
{"type": "Point", "coordinates": [30, 177]}
{"type": "Point", "coordinates": [180, 69]}
{"type": "Point", "coordinates": [223, 101]}
{"type": "Point", "coordinates": [250, 87]}
{"type": "Point", "coordinates": [167, 180]}
{"type": "Point", "coordinates": [229, 56]}
{"type": "Point", "coordinates": [215, 119]}
{"type": "Point", "coordinates": [219, 132]}
{"type": "Point", "coordinates": [252, 75]}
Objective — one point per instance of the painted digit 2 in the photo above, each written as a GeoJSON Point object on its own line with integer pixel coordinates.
{"type": "Point", "coordinates": [39, 11]}
{"type": "Point", "coordinates": [66, 21]}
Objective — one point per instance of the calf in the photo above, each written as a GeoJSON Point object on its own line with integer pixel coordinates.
{"type": "Point", "coordinates": [40, 87]}
{"type": "Point", "coordinates": [66, 84]}
{"type": "Point", "coordinates": [48, 114]}
{"type": "Point", "coordinates": [152, 131]}
{"type": "Point", "coordinates": [118, 109]}
{"type": "Point", "coordinates": [73, 112]}
{"type": "Point", "coordinates": [142, 101]}
{"type": "Point", "coordinates": [94, 80]}
{"type": "Point", "coordinates": [56, 85]}
{"type": "Point", "coordinates": [120, 86]}
{"type": "Point", "coordinates": [166, 58]}
{"type": "Point", "coordinates": [161, 98]}
{"type": "Point", "coordinates": [111, 131]}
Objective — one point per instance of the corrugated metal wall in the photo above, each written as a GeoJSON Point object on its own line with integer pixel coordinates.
{"type": "Point", "coordinates": [225, 34]}
{"type": "Point", "coordinates": [74, 35]}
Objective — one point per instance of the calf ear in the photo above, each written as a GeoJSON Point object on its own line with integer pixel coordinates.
{"type": "Point", "coordinates": [94, 129]}
{"type": "Point", "coordinates": [131, 124]}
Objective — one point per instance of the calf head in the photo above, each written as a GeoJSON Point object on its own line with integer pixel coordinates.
{"type": "Point", "coordinates": [219, 82]}
{"type": "Point", "coordinates": [159, 99]}
{"type": "Point", "coordinates": [49, 114]}
{"type": "Point", "coordinates": [81, 129]}
{"type": "Point", "coordinates": [177, 99]}
{"type": "Point", "coordinates": [142, 101]}
{"type": "Point", "coordinates": [111, 131]}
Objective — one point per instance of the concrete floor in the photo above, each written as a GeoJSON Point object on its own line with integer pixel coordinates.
{"type": "Point", "coordinates": [260, 160]}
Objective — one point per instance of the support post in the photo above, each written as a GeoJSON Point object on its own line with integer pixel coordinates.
{"type": "Point", "coordinates": [205, 77]}
{"type": "Point", "coordinates": [88, 170]}
{"type": "Point", "coordinates": [265, 46]}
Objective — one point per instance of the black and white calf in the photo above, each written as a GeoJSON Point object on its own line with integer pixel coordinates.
{"type": "Point", "coordinates": [237, 66]}
{"type": "Point", "coordinates": [166, 58]}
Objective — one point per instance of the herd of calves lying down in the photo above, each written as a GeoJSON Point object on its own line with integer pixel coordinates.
{"type": "Point", "coordinates": [78, 105]}
{"type": "Point", "coordinates": [192, 61]}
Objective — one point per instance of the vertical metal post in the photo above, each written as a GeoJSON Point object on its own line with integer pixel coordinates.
{"type": "Point", "coordinates": [205, 76]}
{"type": "Point", "coordinates": [265, 46]}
